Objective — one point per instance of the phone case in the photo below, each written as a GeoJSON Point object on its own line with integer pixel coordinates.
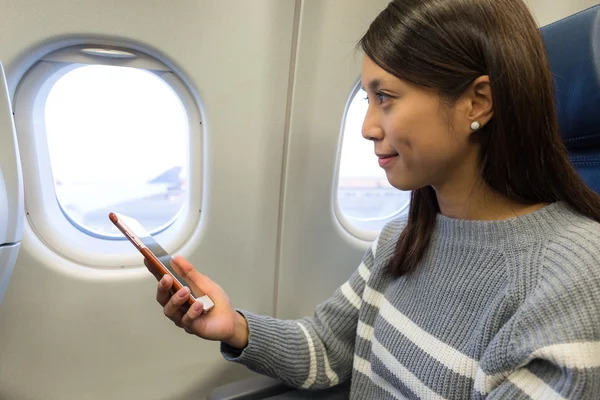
{"type": "Point", "coordinates": [155, 263]}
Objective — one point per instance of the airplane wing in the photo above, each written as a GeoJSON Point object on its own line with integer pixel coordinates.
{"type": "Point", "coordinates": [87, 198]}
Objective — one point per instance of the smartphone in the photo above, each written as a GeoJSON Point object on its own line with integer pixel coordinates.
{"type": "Point", "coordinates": [158, 260]}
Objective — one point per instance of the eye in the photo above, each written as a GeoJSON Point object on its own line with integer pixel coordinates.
{"type": "Point", "coordinates": [382, 97]}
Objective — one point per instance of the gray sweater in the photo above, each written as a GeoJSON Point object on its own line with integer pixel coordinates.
{"type": "Point", "coordinates": [496, 309]}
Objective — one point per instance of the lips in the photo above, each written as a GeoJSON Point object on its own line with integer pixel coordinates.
{"type": "Point", "coordinates": [385, 159]}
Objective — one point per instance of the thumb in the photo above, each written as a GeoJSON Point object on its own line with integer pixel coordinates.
{"type": "Point", "coordinates": [200, 284]}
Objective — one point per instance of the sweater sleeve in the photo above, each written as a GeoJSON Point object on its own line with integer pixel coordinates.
{"type": "Point", "coordinates": [312, 352]}
{"type": "Point", "coordinates": [556, 338]}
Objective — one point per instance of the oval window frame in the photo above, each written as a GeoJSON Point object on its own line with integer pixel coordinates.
{"type": "Point", "coordinates": [43, 211]}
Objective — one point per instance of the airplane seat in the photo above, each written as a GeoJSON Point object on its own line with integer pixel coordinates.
{"type": "Point", "coordinates": [573, 46]}
{"type": "Point", "coordinates": [12, 211]}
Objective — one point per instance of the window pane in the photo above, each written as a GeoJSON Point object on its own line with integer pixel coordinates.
{"type": "Point", "coordinates": [117, 141]}
{"type": "Point", "coordinates": [364, 194]}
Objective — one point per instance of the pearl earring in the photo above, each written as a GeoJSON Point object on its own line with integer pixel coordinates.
{"type": "Point", "coordinates": [475, 126]}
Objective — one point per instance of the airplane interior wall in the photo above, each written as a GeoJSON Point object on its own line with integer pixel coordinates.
{"type": "Point", "coordinates": [68, 331]}
{"type": "Point", "coordinates": [272, 79]}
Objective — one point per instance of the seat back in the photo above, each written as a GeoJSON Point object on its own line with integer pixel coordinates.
{"type": "Point", "coordinates": [573, 47]}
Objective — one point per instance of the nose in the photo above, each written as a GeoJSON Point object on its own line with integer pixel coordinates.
{"type": "Point", "coordinates": [371, 128]}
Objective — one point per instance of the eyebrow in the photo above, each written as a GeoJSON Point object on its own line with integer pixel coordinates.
{"type": "Point", "coordinates": [374, 85]}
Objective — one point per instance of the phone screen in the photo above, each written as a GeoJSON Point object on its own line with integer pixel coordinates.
{"type": "Point", "coordinates": [148, 241]}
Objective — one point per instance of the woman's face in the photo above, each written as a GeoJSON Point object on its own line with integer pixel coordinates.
{"type": "Point", "coordinates": [419, 140]}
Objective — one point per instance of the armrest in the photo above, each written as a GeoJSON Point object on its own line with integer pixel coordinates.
{"type": "Point", "coordinates": [339, 392]}
{"type": "Point", "coordinates": [263, 387]}
{"type": "Point", "coordinates": [260, 387]}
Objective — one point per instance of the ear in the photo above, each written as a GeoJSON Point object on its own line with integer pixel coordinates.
{"type": "Point", "coordinates": [480, 101]}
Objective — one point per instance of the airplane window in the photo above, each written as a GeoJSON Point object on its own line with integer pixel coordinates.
{"type": "Point", "coordinates": [117, 140]}
{"type": "Point", "coordinates": [365, 198]}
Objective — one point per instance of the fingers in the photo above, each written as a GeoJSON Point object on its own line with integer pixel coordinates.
{"type": "Point", "coordinates": [163, 294]}
{"type": "Point", "coordinates": [176, 301]}
{"type": "Point", "coordinates": [199, 283]}
{"type": "Point", "coordinates": [172, 305]}
{"type": "Point", "coordinates": [191, 319]}
{"type": "Point", "coordinates": [152, 269]}
{"type": "Point", "coordinates": [188, 318]}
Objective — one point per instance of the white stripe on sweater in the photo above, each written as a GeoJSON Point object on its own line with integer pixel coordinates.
{"type": "Point", "coordinates": [372, 296]}
{"type": "Point", "coordinates": [402, 373]}
{"type": "Point", "coordinates": [333, 377]}
{"type": "Point", "coordinates": [361, 365]}
{"type": "Point", "coordinates": [486, 383]}
{"type": "Point", "coordinates": [374, 247]}
{"type": "Point", "coordinates": [569, 355]}
{"type": "Point", "coordinates": [350, 295]}
{"type": "Point", "coordinates": [533, 386]}
{"type": "Point", "coordinates": [579, 355]}
{"type": "Point", "coordinates": [364, 272]}
{"type": "Point", "coordinates": [364, 367]}
{"type": "Point", "coordinates": [364, 331]}
{"type": "Point", "coordinates": [312, 369]}
{"type": "Point", "coordinates": [445, 354]}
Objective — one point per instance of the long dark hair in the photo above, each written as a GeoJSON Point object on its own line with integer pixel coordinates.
{"type": "Point", "coordinates": [445, 45]}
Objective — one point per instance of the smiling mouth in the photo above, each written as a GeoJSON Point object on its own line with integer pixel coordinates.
{"type": "Point", "coordinates": [386, 156]}
{"type": "Point", "coordinates": [385, 159]}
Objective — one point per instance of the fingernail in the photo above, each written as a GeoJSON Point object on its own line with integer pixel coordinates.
{"type": "Point", "coordinates": [197, 306]}
{"type": "Point", "coordinates": [183, 293]}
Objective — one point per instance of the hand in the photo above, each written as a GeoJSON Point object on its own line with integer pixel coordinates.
{"type": "Point", "coordinates": [221, 323]}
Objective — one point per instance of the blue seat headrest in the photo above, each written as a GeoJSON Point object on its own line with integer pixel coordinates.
{"type": "Point", "coordinates": [573, 47]}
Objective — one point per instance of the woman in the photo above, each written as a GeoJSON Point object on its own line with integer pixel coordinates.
{"type": "Point", "coordinates": [491, 286]}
